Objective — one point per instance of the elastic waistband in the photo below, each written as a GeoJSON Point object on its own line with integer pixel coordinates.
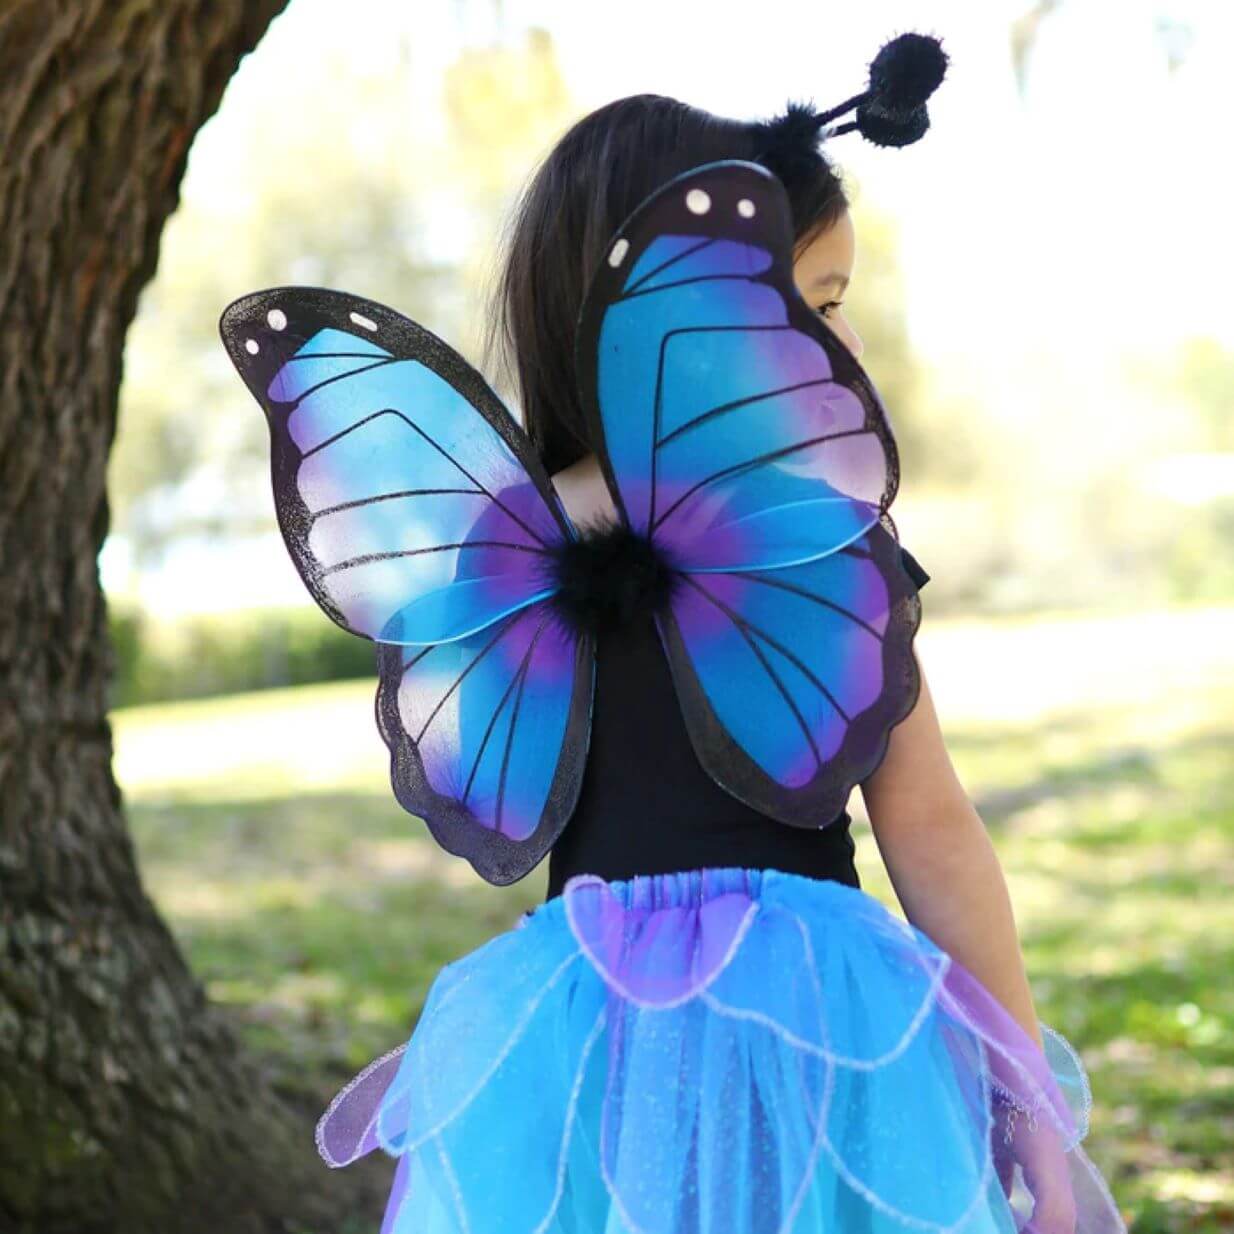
{"type": "Point", "coordinates": [694, 887]}
{"type": "Point", "coordinates": [684, 888]}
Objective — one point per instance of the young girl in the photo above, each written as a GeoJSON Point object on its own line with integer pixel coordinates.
{"type": "Point", "coordinates": [707, 1027]}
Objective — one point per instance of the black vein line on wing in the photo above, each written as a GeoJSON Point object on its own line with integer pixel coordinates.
{"type": "Point", "coordinates": [292, 404]}
{"type": "Point", "coordinates": [792, 656]}
{"type": "Point", "coordinates": [518, 702]}
{"type": "Point", "coordinates": [740, 402]}
{"type": "Point", "coordinates": [386, 358]}
{"type": "Point", "coordinates": [406, 492]}
{"type": "Point", "coordinates": [393, 411]}
{"type": "Point", "coordinates": [652, 521]}
{"type": "Point", "coordinates": [664, 265]}
{"type": "Point", "coordinates": [745, 628]}
{"type": "Point", "coordinates": [769, 580]}
{"type": "Point", "coordinates": [732, 276]}
{"type": "Point", "coordinates": [515, 677]}
{"type": "Point", "coordinates": [409, 664]}
{"type": "Point", "coordinates": [309, 357]}
{"type": "Point", "coordinates": [758, 461]}
{"type": "Point", "coordinates": [504, 628]}
{"type": "Point", "coordinates": [366, 558]}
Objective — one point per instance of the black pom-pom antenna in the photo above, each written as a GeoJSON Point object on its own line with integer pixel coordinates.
{"type": "Point", "coordinates": [890, 112]}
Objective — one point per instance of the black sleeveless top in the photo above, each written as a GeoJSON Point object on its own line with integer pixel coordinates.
{"type": "Point", "coordinates": [646, 805]}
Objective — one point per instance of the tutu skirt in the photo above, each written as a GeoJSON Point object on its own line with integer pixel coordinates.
{"type": "Point", "coordinates": [721, 1051]}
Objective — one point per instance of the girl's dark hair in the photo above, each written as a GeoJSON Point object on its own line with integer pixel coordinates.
{"type": "Point", "coordinates": [587, 186]}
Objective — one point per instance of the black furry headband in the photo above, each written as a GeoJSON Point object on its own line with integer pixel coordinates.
{"type": "Point", "coordinates": [891, 112]}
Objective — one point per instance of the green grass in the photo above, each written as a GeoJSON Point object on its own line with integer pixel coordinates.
{"type": "Point", "coordinates": [318, 912]}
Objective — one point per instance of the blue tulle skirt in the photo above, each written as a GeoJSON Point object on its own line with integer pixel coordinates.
{"type": "Point", "coordinates": [722, 1051]}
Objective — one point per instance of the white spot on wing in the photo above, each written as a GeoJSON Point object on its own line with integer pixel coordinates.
{"type": "Point", "coordinates": [362, 321]}
{"type": "Point", "coordinates": [618, 252]}
{"type": "Point", "coordinates": [745, 207]}
{"type": "Point", "coordinates": [277, 319]}
{"type": "Point", "coordinates": [698, 201]}
{"type": "Point", "coordinates": [250, 345]}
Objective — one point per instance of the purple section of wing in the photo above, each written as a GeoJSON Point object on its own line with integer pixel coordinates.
{"type": "Point", "coordinates": [655, 959]}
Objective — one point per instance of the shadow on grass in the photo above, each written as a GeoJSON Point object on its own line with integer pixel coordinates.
{"type": "Point", "coordinates": [1135, 765]}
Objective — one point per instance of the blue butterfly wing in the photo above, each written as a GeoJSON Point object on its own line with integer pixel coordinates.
{"type": "Point", "coordinates": [791, 679]}
{"type": "Point", "coordinates": [410, 502]}
{"type": "Point", "coordinates": [744, 439]}
{"type": "Point", "coordinates": [488, 736]}
{"type": "Point", "coordinates": [738, 431]}
{"type": "Point", "coordinates": [419, 516]}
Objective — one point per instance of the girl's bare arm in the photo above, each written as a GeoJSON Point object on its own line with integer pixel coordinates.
{"type": "Point", "coordinates": [941, 862]}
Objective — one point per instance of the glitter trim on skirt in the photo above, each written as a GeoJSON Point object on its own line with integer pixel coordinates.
{"type": "Point", "coordinates": [722, 1051]}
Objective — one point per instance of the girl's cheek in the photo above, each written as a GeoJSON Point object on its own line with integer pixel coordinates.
{"type": "Point", "coordinates": [848, 336]}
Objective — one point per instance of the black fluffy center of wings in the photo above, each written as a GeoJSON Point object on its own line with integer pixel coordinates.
{"type": "Point", "coordinates": [611, 577]}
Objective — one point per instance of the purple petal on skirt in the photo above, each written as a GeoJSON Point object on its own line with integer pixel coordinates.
{"type": "Point", "coordinates": [347, 1129]}
{"type": "Point", "coordinates": [661, 957]}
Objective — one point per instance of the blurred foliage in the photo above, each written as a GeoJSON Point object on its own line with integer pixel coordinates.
{"type": "Point", "coordinates": [875, 307]}
{"type": "Point", "coordinates": [224, 653]}
{"type": "Point", "coordinates": [1090, 489]}
{"type": "Point", "coordinates": [505, 106]}
{"type": "Point", "coordinates": [1202, 371]}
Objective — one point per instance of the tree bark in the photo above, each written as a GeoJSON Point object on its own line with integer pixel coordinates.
{"type": "Point", "coordinates": [125, 1101]}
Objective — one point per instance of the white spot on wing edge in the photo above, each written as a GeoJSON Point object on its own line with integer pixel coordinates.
{"type": "Point", "coordinates": [745, 207]}
{"type": "Point", "coordinates": [698, 201]}
{"type": "Point", "coordinates": [617, 254]}
{"type": "Point", "coordinates": [277, 319]}
{"type": "Point", "coordinates": [250, 345]}
{"type": "Point", "coordinates": [362, 321]}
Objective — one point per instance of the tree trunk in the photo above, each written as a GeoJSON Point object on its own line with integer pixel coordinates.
{"type": "Point", "coordinates": [125, 1103]}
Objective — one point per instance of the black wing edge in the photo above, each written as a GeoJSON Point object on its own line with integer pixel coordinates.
{"type": "Point", "coordinates": [824, 799]}
{"type": "Point", "coordinates": [494, 857]}
{"type": "Point", "coordinates": [665, 212]}
{"type": "Point", "coordinates": [308, 310]}
{"type": "Point", "coordinates": [916, 571]}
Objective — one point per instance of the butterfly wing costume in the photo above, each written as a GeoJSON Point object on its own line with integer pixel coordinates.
{"type": "Point", "coordinates": [751, 463]}
{"type": "Point", "coordinates": [739, 1050]}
